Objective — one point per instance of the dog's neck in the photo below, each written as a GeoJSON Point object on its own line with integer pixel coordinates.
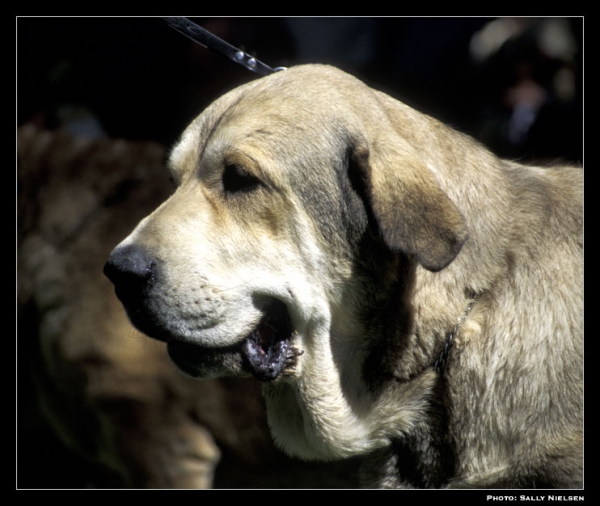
{"type": "Point", "coordinates": [442, 360]}
{"type": "Point", "coordinates": [404, 352]}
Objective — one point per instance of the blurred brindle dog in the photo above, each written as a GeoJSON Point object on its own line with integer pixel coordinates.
{"type": "Point", "coordinates": [331, 242]}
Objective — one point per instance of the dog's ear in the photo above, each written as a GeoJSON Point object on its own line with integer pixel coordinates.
{"type": "Point", "coordinates": [414, 215]}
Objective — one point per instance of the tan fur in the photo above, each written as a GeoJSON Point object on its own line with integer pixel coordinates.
{"type": "Point", "coordinates": [376, 226]}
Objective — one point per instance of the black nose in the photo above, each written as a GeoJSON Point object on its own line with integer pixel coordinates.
{"type": "Point", "coordinates": [131, 270]}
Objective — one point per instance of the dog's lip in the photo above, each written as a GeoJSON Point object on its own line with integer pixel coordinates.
{"type": "Point", "coordinates": [202, 361]}
{"type": "Point", "coordinates": [265, 353]}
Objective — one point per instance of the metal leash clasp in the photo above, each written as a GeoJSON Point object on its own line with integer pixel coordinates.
{"type": "Point", "coordinates": [210, 41]}
{"type": "Point", "coordinates": [250, 62]}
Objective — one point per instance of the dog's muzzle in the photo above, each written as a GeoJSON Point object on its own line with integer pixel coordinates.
{"type": "Point", "coordinates": [265, 353]}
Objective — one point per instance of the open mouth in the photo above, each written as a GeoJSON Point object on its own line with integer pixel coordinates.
{"type": "Point", "coordinates": [266, 353]}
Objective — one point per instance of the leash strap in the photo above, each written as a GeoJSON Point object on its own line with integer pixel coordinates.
{"type": "Point", "coordinates": [214, 43]}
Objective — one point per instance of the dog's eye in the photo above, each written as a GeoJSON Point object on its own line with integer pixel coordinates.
{"type": "Point", "coordinates": [237, 179]}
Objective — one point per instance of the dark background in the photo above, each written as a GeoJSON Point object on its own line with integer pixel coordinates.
{"type": "Point", "coordinates": [140, 79]}
{"type": "Point", "coordinates": [137, 78]}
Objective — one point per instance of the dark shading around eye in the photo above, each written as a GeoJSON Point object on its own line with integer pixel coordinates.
{"type": "Point", "coordinates": [237, 179]}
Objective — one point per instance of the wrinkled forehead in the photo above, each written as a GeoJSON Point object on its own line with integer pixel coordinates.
{"type": "Point", "coordinates": [282, 109]}
{"type": "Point", "coordinates": [280, 121]}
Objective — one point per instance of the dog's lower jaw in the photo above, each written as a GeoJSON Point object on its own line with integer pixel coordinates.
{"type": "Point", "coordinates": [312, 417]}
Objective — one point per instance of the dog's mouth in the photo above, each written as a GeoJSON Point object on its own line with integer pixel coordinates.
{"type": "Point", "coordinates": [266, 353]}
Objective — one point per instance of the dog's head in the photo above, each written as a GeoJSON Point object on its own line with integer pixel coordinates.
{"type": "Point", "coordinates": [297, 200]}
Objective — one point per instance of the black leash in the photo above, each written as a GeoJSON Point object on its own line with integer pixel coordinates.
{"type": "Point", "coordinates": [214, 43]}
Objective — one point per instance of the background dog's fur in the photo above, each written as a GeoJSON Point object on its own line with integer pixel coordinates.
{"type": "Point", "coordinates": [110, 394]}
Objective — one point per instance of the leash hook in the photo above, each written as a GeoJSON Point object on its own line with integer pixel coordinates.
{"type": "Point", "coordinates": [210, 41]}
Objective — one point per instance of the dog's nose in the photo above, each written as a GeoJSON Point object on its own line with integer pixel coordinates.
{"type": "Point", "coordinates": [131, 270]}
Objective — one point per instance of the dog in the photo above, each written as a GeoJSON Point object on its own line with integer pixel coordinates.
{"type": "Point", "coordinates": [400, 292]}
